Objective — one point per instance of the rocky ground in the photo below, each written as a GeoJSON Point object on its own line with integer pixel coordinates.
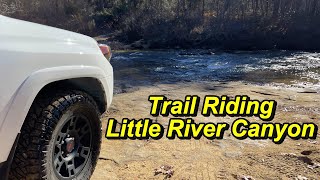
{"type": "Point", "coordinates": [212, 159]}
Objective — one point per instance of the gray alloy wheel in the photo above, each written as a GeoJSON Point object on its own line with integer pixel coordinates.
{"type": "Point", "coordinates": [60, 138]}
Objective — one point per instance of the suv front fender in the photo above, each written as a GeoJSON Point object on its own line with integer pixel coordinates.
{"type": "Point", "coordinates": [23, 98]}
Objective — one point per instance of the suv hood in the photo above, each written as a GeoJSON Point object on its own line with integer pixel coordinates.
{"type": "Point", "coordinates": [18, 29]}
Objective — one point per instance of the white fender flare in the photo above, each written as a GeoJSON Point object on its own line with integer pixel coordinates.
{"type": "Point", "coordinates": [20, 104]}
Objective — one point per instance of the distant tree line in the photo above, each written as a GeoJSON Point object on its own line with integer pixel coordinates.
{"type": "Point", "coordinates": [230, 24]}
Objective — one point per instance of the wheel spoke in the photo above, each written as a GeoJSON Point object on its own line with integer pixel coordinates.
{"type": "Point", "coordinates": [84, 152]}
{"type": "Point", "coordinates": [71, 168]}
{"type": "Point", "coordinates": [73, 121]}
{"type": "Point", "coordinates": [84, 131]}
{"type": "Point", "coordinates": [58, 146]}
{"type": "Point", "coordinates": [60, 137]}
{"type": "Point", "coordinates": [57, 162]}
{"type": "Point", "coordinates": [72, 146]}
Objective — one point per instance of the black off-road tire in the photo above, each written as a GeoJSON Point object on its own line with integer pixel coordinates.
{"type": "Point", "coordinates": [43, 147]}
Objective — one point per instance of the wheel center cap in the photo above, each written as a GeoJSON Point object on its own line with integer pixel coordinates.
{"type": "Point", "coordinates": [70, 144]}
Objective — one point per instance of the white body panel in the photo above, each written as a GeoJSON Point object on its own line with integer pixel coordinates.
{"type": "Point", "coordinates": [32, 56]}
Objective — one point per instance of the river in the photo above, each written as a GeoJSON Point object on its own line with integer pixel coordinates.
{"type": "Point", "coordinates": [280, 68]}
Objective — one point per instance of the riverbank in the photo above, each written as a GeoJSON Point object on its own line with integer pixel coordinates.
{"type": "Point", "coordinates": [212, 159]}
{"type": "Point", "coordinates": [249, 44]}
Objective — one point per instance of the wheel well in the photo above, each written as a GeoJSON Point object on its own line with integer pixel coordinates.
{"type": "Point", "coordinates": [91, 86]}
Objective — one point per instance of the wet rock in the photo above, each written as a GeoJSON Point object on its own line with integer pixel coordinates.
{"type": "Point", "coordinates": [140, 44]}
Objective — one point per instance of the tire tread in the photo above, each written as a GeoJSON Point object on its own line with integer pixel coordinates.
{"type": "Point", "coordinates": [43, 116]}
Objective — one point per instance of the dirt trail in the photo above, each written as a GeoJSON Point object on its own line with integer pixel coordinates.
{"type": "Point", "coordinates": [213, 159]}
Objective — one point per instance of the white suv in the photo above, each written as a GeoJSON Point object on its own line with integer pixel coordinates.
{"type": "Point", "coordinates": [54, 86]}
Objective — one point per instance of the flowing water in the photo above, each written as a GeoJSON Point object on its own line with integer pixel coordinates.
{"type": "Point", "coordinates": [287, 68]}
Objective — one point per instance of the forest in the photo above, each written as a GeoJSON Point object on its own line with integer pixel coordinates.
{"type": "Point", "coordinates": [221, 24]}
